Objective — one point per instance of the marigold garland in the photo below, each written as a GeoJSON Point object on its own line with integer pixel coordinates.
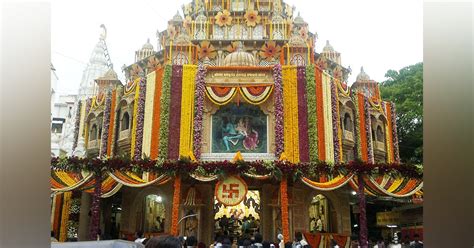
{"type": "Point", "coordinates": [105, 124]}
{"type": "Point", "coordinates": [290, 99]}
{"type": "Point", "coordinates": [394, 133]}
{"type": "Point", "coordinates": [302, 102]}
{"type": "Point", "coordinates": [370, 146]}
{"type": "Point", "coordinates": [336, 132]}
{"type": "Point", "coordinates": [279, 127]}
{"type": "Point", "coordinates": [176, 203]}
{"type": "Point", "coordinates": [155, 133]}
{"type": "Point", "coordinates": [111, 133]}
{"type": "Point", "coordinates": [95, 207]}
{"type": "Point", "coordinates": [357, 137]}
{"type": "Point", "coordinates": [140, 119]}
{"type": "Point", "coordinates": [64, 216]}
{"type": "Point", "coordinates": [328, 127]}
{"type": "Point", "coordinates": [134, 122]}
{"type": "Point", "coordinates": [175, 111]}
{"type": "Point", "coordinates": [312, 114]}
{"type": "Point", "coordinates": [284, 209]}
{"type": "Point", "coordinates": [148, 113]}
{"type": "Point", "coordinates": [164, 113]}
{"type": "Point", "coordinates": [362, 123]}
{"type": "Point", "coordinates": [77, 123]}
{"type": "Point", "coordinates": [198, 110]}
{"type": "Point", "coordinates": [187, 110]}
{"type": "Point", "coordinates": [320, 115]}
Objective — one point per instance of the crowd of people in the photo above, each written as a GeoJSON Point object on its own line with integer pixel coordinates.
{"type": "Point", "coordinates": [394, 243]}
{"type": "Point", "coordinates": [256, 241]}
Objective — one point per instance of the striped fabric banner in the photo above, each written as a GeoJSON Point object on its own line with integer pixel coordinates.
{"type": "Point", "coordinates": [187, 110]}
{"type": "Point", "coordinates": [290, 110]}
{"type": "Point", "coordinates": [148, 114]}
{"type": "Point", "coordinates": [175, 112]}
{"type": "Point", "coordinates": [155, 127]}
{"type": "Point", "coordinates": [327, 115]}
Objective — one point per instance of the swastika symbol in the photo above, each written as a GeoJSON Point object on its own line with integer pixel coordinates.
{"type": "Point", "coordinates": [230, 190]}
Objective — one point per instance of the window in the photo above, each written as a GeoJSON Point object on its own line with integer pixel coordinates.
{"type": "Point", "coordinates": [57, 128]}
{"type": "Point", "coordinates": [347, 122]}
{"type": "Point", "coordinates": [93, 132]}
{"type": "Point", "coordinates": [125, 122]}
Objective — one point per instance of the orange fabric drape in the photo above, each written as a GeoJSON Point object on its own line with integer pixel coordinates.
{"type": "Point", "coordinates": [284, 209]}
{"type": "Point", "coordinates": [176, 203]}
{"type": "Point", "coordinates": [155, 133]}
{"type": "Point", "coordinates": [112, 123]}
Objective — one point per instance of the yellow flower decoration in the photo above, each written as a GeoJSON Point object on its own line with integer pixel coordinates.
{"type": "Point", "coordinates": [223, 18]}
{"type": "Point", "coordinates": [269, 50]}
{"type": "Point", "coordinates": [252, 18]}
{"type": "Point", "coordinates": [206, 49]}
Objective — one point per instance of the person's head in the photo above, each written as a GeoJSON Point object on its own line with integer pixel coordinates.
{"type": "Point", "coordinates": [140, 234]}
{"type": "Point", "coordinates": [280, 236]}
{"type": "Point", "coordinates": [265, 244]}
{"type": "Point", "coordinates": [333, 243]}
{"type": "Point", "coordinates": [52, 234]}
{"type": "Point", "coordinates": [298, 236]}
{"type": "Point", "coordinates": [288, 245]}
{"type": "Point", "coordinates": [258, 238]}
{"type": "Point", "coordinates": [191, 241]}
{"type": "Point", "coordinates": [201, 245]}
{"type": "Point", "coordinates": [226, 241]}
{"type": "Point", "coordinates": [416, 237]}
{"type": "Point", "coordinates": [163, 242]}
{"type": "Point", "coordinates": [247, 243]}
{"type": "Point", "coordinates": [145, 241]}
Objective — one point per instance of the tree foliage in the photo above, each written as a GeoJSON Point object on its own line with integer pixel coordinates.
{"type": "Point", "coordinates": [405, 89]}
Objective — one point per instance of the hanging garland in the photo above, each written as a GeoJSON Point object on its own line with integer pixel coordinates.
{"type": "Point", "coordinates": [284, 209]}
{"type": "Point", "coordinates": [312, 114]}
{"type": "Point", "coordinates": [77, 123]}
{"type": "Point", "coordinates": [111, 134]}
{"type": "Point", "coordinates": [175, 111]}
{"type": "Point", "coordinates": [302, 102]}
{"type": "Point", "coordinates": [155, 132]}
{"type": "Point", "coordinates": [335, 123]}
{"type": "Point", "coordinates": [140, 119]}
{"type": "Point", "coordinates": [105, 124]}
{"type": "Point", "coordinates": [370, 147]}
{"type": "Point", "coordinates": [74, 211]}
{"type": "Point", "coordinates": [175, 209]}
{"type": "Point", "coordinates": [279, 129]}
{"type": "Point", "coordinates": [164, 113]}
{"type": "Point", "coordinates": [187, 110]}
{"type": "Point", "coordinates": [198, 110]}
{"type": "Point", "coordinates": [209, 168]}
{"type": "Point", "coordinates": [396, 150]}
{"type": "Point", "coordinates": [357, 137]}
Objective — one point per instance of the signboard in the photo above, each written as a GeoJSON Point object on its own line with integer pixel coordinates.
{"type": "Point", "coordinates": [231, 191]}
{"type": "Point", "coordinates": [238, 78]}
{"type": "Point", "coordinates": [388, 218]}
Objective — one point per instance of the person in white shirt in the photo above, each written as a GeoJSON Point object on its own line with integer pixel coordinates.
{"type": "Point", "coordinates": [140, 237]}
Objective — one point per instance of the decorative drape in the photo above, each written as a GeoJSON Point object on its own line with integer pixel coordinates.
{"type": "Point", "coordinates": [253, 94]}
{"type": "Point", "coordinates": [323, 240]}
{"type": "Point", "coordinates": [290, 111]}
{"type": "Point", "coordinates": [148, 113]}
{"type": "Point", "coordinates": [187, 110]}
{"type": "Point", "coordinates": [331, 184]}
{"type": "Point", "coordinates": [62, 181]}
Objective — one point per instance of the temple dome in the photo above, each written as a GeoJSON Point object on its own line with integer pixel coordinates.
{"type": "Point", "coordinates": [147, 45]}
{"type": "Point", "coordinates": [328, 47]}
{"type": "Point", "coordinates": [109, 75]}
{"type": "Point", "coordinates": [362, 76]}
{"type": "Point", "coordinates": [299, 19]}
{"type": "Point", "coordinates": [240, 58]}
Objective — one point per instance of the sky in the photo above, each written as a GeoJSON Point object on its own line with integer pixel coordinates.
{"type": "Point", "coordinates": [376, 34]}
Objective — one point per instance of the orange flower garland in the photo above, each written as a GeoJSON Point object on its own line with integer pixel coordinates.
{"type": "Point", "coordinates": [155, 134]}
{"type": "Point", "coordinates": [269, 50]}
{"type": "Point", "coordinates": [112, 123]}
{"type": "Point", "coordinates": [176, 203]}
{"type": "Point", "coordinates": [363, 136]}
{"type": "Point", "coordinates": [284, 209]}
{"type": "Point", "coordinates": [320, 117]}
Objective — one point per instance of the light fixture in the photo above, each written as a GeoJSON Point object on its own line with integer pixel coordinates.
{"type": "Point", "coordinates": [159, 199]}
{"type": "Point", "coordinates": [119, 208]}
{"type": "Point", "coordinates": [392, 226]}
{"type": "Point", "coordinates": [356, 225]}
{"type": "Point", "coordinates": [353, 192]}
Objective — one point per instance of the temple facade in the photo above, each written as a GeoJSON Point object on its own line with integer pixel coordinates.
{"type": "Point", "coordinates": [232, 81]}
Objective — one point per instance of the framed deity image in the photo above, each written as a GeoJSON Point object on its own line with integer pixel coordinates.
{"type": "Point", "coordinates": [239, 127]}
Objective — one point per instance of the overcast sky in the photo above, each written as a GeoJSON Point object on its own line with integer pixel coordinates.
{"type": "Point", "coordinates": [377, 34]}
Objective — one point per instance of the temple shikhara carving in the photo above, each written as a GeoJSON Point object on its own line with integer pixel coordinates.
{"type": "Point", "coordinates": [235, 124]}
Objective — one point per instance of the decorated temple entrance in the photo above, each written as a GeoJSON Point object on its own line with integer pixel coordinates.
{"type": "Point", "coordinates": [239, 219]}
